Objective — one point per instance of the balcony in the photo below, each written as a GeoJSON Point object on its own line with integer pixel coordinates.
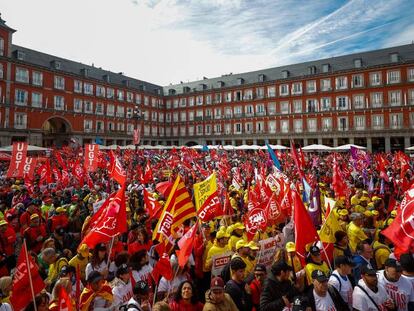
{"type": "Point", "coordinates": [198, 119]}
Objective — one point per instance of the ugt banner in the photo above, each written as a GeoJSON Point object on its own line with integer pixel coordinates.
{"type": "Point", "coordinates": [18, 160]}
{"type": "Point", "coordinates": [91, 157]}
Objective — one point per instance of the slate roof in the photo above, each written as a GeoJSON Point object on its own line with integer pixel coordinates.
{"type": "Point", "coordinates": [337, 64]}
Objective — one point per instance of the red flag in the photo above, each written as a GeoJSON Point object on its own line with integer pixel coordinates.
{"type": "Point", "coordinates": [148, 177]}
{"type": "Point", "coordinates": [164, 188]}
{"type": "Point", "coordinates": [294, 154]}
{"type": "Point", "coordinates": [163, 266]}
{"type": "Point", "coordinates": [91, 157]}
{"type": "Point", "coordinates": [153, 206]}
{"type": "Point", "coordinates": [211, 208]}
{"type": "Point", "coordinates": [58, 157]}
{"type": "Point", "coordinates": [110, 220]}
{"type": "Point", "coordinates": [29, 167]}
{"type": "Point", "coordinates": [116, 170]}
{"type": "Point", "coordinates": [401, 231]}
{"type": "Point", "coordinates": [304, 229]}
{"type": "Point", "coordinates": [24, 280]}
{"type": "Point", "coordinates": [186, 244]}
{"type": "Point", "coordinates": [18, 160]}
{"type": "Point", "coordinates": [64, 300]}
{"type": "Point", "coordinates": [338, 183]}
{"type": "Point", "coordinates": [256, 219]}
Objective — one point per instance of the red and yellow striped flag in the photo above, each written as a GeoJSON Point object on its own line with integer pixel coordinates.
{"type": "Point", "coordinates": [177, 209]}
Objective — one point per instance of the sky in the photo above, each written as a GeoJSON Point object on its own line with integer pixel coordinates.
{"type": "Point", "coordinates": [169, 41]}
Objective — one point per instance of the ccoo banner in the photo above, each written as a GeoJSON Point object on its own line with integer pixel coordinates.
{"type": "Point", "coordinates": [18, 160]}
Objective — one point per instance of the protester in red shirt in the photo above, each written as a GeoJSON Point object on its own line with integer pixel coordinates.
{"type": "Point", "coordinates": [256, 285]}
{"type": "Point", "coordinates": [60, 219]}
{"type": "Point", "coordinates": [25, 218]}
{"type": "Point", "coordinates": [35, 234]}
{"type": "Point", "coordinates": [186, 299]}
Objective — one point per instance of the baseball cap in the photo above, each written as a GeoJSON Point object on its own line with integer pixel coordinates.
{"type": "Point", "coordinates": [101, 247]}
{"type": "Point", "coordinates": [343, 212]}
{"type": "Point", "coordinates": [343, 260]}
{"type": "Point", "coordinates": [290, 247]}
{"type": "Point", "coordinates": [407, 261]}
{"type": "Point", "coordinates": [217, 283]}
{"type": "Point", "coordinates": [319, 276]}
{"type": "Point", "coordinates": [3, 222]}
{"type": "Point", "coordinates": [391, 262]}
{"type": "Point", "coordinates": [314, 250]}
{"type": "Point", "coordinates": [123, 269]}
{"type": "Point", "coordinates": [65, 270]}
{"type": "Point", "coordinates": [368, 271]}
{"type": "Point", "coordinates": [94, 276]}
{"type": "Point", "coordinates": [238, 225]}
{"type": "Point", "coordinates": [83, 250]}
{"type": "Point", "coordinates": [253, 246]}
{"type": "Point", "coordinates": [241, 244]}
{"type": "Point", "coordinates": [260, 268]}
{"type": "Point", "coordinates": [33, 216]}
{"type": "Point", "coordinates": [300, 303]}
{"type": "Point", "coordinates": [141, 287]}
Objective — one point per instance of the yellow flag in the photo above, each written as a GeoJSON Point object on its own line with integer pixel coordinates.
{"type": "Point", "coordinates": [204, 189]}
{"type": "Point", "coordinates": [331, 225]}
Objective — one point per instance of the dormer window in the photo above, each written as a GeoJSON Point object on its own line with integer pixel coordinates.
{"type": "Point", "coordinates": [262, 78]}
{"type": "Point", "coordinates": [106, 78]}
{"type": "Point", "coordinates": [171, 92]}
{"type": "Point", "coordinates": [55, 64]}
{"type": "Point", "coordinates": [394, 57]}
{"type": "Point", "coordinates": [203, 86]}
{"type": "Point", "coordinates": [311, 70]}
{"type": "Point", "coordinates": [285, 74]}
{"type": "Point", "coordinates": [358, 63]}
{"type": "Point", "coordinates": [126, 83]}
{"type": "Point", "coordinates": [220, 84]}
{"type": "Point", "coordinates": [21, 55]}
{"type": "Point", "coordinates": [85, 72]}
{"type": "Point", "coordinates": [326, 68]}
{"type": "Point", "coordinates": [186, 89]}
{"type": "Point", "coordinates": [240, 81]}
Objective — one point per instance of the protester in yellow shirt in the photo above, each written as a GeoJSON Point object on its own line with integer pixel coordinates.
{"type": "Point", "coordinates": [236, 235]}
{"type": "Point", "coordinates": [341, 246]}
{"type": "Point", "coordinates": [242, 251]}
{"type": "Point", "coordinates": [81, 260]}
{"type": "Point", "coordinates": [220, 247]}
{"type": "Point", "coordinates": [343, 218]}
{"type": "Point", "coordinates": [355, 199]}
{"type": "Point", "coordinates": [381, 251]}
{"type": "Point", "coordinates": [355, 232]}
{"type": "Point", "coordinates": [315, 262]}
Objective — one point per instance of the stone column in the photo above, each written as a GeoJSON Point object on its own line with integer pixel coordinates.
{"type": "Point", "coordinates": [387, 144]}
{"type": "Point", "coordinates": [369, 144]}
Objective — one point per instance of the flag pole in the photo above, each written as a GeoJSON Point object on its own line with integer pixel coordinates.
{"type": "Point", "coordinates": [30, 275]}
{"type": "Point", "coordinates": [327, 258]}
{"type": "Point", "coordinates": [109, 253]}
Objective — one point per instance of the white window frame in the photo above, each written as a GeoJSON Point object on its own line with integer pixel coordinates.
{"type": "Point", "coordinates": [59, 102]}
{"type": "Point", "coordinates": [59, 82]}
{"type": "Point", "coordinates": [22, 75]}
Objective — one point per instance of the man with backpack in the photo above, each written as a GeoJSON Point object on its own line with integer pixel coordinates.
{"type": "Point", "coordinates": [340, 280]}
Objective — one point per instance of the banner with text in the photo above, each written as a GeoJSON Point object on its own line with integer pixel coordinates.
{"type": "Point", "coordinates": [18, 160]}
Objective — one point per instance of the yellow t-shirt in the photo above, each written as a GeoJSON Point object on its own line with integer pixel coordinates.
{"type": "Point", "coordinates": [355, 235]}
{"type": "Point", "coordinates": [381, 253]}
{"type": "Point", "coordinates": [249, 264]}
{"type": "Point", "coordinates": [310, 267]}
{"type": "Point", "coordinates": [354, 200]}
{"type": "Point", "coordinates": [297, 266]}
{"type": "Point", "coordinates": [233, 241]}
{"type": "Point", "coordinates": [75, 262]}
{"type": "Point", "coordinates": [213, 251]}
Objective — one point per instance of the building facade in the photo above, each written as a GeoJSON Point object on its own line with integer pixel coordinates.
{"type": "Point", "coordinates": [365, 98]}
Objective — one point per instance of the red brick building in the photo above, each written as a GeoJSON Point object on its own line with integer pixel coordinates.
{"type": "Point", "coordinates": [365, 98]}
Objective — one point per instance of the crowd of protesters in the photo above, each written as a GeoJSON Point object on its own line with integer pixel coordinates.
{"type": "Point", "coordinates": [361, 272]}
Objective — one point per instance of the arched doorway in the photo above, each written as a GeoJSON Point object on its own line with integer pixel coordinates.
{"type": "Point", "coordinates": [56, 132]}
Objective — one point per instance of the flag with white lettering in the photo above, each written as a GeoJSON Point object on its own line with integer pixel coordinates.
{"type": "Point", "coordinates": [91, 157]}
{"type": "Point", "coordinates": [18, 160]}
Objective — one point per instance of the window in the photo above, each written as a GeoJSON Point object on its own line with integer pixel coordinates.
{"type": "Point", "coordinates": [284, 126]}
{"type": "Point", "coordinates": [237, 128]}
{"type": "Point", "coordinates": [154, 130]}
{"type": "Point", "coordinates": [208, 113]}
{"type": "Point", "coordinates": [359, 123]}
{"type": "Point", "coordinates": [248, 95]}
{"type": "Point", "coordinates": [175, 117]}
{"type": "Point", "coordinates": [227, 128]}
{"type": "Point", "coordinates": [120, 95]}
{"type": "Point", "coordinates": [396, 121]}
{"type": "Point", "coordinates": [147, 130]}
{"type": "Point", "coordinates": [393, 76]}
{"type": "Point", "coordinates": [217, 129]}
{"type": "Point", "coordinates": [199, 130]}
{"type": "Point", "coordinates": [284, 89]}
{"type": "Point", "coordinates": [20, 120]}
{"type": "Point", "coordinates": [199, 100]}
{"type": "Point", "coordinates": [208, 99]}
{"type": "Point", "coordinates": [191, 116]}
{"type": "Point", "coordinates": [120, 127]}
{"type": "Point", "coordinates": [111, 126]}
{"type": "Point", "coordinates": [375, 78]}
{"type": "Point", "coordinates": [190, 101]}
{"type": "Point", "coordinates": [59, 83]}
{"type": "Point", "coordinates": [199, 114]}
{"type": "Point", "coordinates": [161, 117]}
{"type": "Point", "coordinates": [260, 92]}
{"type": "Point", "coordinates": [249, 110]}
{"type": "Point", "coordinates": [22, 75]}
{"type": "Point", "coordinates": [87, 125]}
{"type": "Point", "coordinates": [341, 83]}
{"type": "Point", "coordinates": [248, 127]}
{"type": "Point", "coordinates": [412, 119]}
{"type": "Point", "coordinates": [284, 107]}
{"type": "Point", "coordinates": [357, 81]}
{"type": "Point", "coordinates": [271, 91]}
{"type": "Point", "coordinates": [342, 102]}
{"type": "Point", "coordinates": [238, 111]}
{"type": "Point", "coordinates": [59, 102]}
{"type": "Point", "coordinates": [1, 71]}
{"type": "Point", "coordinates": [227, 97]}
{"type": "Point", "coordinates": [168, 117]}
{"type": "Point", "coordinates": [311, 86]}
{"type": "Point", "coordinates": [37, 78]}
{"type": "Point", "coordinates": [100, 91]}
{"type": "Point", "coordinates": [326, 68]}
{"type": "Point", "coordinates": [410, 74]}
{"type": "Point", "coordinates": [260, 127]}
{"type": "Point", "coordinates": [77, 105]}
{"type": "Point", "coordinates": [342, 124]}
{"type": "Point", "coordinates": [271, 126]}
{"type": "Point", "coordinates": [77, 86]}
{"type": "Point", "coordinates": [394, 98]}
{"type": "Point", "coordinates": [358, 63]}
{"type": "Point", "coordinates": [100, 126]}
{"type": "Point", "coordinates": [217, 113]}
{"type": "Point", "coordinates": [120, 111]}
{"type": "Point", "coordinates": [326, 85]}
{"type": "Point", "coordinates": [1, 46]}
{"type": "Point", "coordinates": [191, 130]}
{"type": "Point", "coordinates": [130, 97]}
{"type": "Point", "coordinates": [36, 99]}
{"type": "Point", "coordinates": [394, 57]}
{"type": "Point", "coordinates": [260, 110]}
{"type": "Point", "coordinates": [99, 108]}
{"type": "Point", "coordinates": [376, 99]}
{"type": "Point", "coordinates": [312, 125]}
{"type": "Point", "coordinates": [311, 105]}
{"type": "Point", "coordinates": [183, 116]}
{"type": "Point", "coordinates": [110, 110]}
{"type": "Point", "coordinates": [217, 98]}
{"type": "Point", "coordinates": [88, 107]}
{"type": "Point", "coordinates": [182, 130]}
{"type": "Point", "coordinates": [88, 88]}
{"type": "Point", "coordinates": [326, 124]}
{"type": "Point", "coordinates": [183, 102]}
{"type": "Point", "coordinates": [21, 97]}
{"type": "Point", "coordinates": [271, 108]}
{"type": "Point", "coordinates": [175, 103]}
{"type": "Point", "coordinates": [138, 99]}
{"type": "Point", "coordinates": [298, 126]}
{"type": "Point", "coordinates": [297, 106]}
{"type": "Point", "coordinates": [411, 97]}
{"type": "Point", "coordinates": [359, 101]}
{"type": "Point", "coordinates": [297, 88]}
{"type": "Point", "coordinates": [110, 93]}
{"type": "Point", "coordinates": [325, 103]}
{"type": "Point", "coordinates": [168, 104]}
